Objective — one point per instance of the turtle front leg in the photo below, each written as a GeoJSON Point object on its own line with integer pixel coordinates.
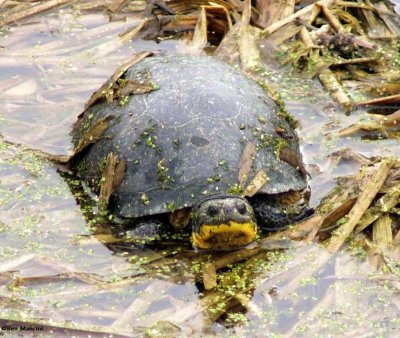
{"type": "Point", "coordinates": [271, 216]}
{"type": "Point", "coordinates": [148, 230]}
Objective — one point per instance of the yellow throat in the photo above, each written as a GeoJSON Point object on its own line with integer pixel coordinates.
{"type": "Point", "coordinates": [224, 236]}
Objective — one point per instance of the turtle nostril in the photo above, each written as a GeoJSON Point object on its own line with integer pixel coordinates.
{"type": "Point", "coordinates": [241, 208]}
{"type": "Point", "coordinates": [228, 210]}
{"type": "Point", "coordinates": [212, 211]}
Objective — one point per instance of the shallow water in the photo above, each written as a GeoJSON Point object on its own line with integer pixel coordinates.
{"type": "Point", "coordinates": [57, 270]}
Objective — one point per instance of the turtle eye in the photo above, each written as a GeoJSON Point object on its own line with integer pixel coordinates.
{"type": "Point", "coordinates": [241, 208]}
{"type": "Point", "coordinates": [212, 211]}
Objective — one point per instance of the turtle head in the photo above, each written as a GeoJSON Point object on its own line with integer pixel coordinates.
{"type": "Point", "coordinates": [222, 222]}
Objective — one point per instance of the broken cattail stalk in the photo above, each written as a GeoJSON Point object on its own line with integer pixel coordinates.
{"type": "Point", "coordinates": [333, 21]}
{"type": "Point", "coordinates": [382, 205]}
{"type": "Point", "coordinates": [338, 27]}
{"type": "Point", "coordinates": [306, 38]}
{"type": "Point", "coordinates": [353, 61]}
{"type": "Point", "coordinates": [363, 202]}
{"type": "Point", "coordinates": [316, 10]}
{"type": "Point", "coordinates": [307, 13]}
{"type": "Point", "coordinates": [330, 82]}
{"type": "Point", "coordinates": [248, 36]}
{"type": "Point", "coordinates": [284, 34]}
{"type": "Point", "coordinates": [305, 230]}
{"type": "Point", "coordinates": [382, 231]}
{"type": "Point", "coordinates": [200, 36]}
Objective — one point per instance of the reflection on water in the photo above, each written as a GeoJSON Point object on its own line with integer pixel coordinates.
{"type": "Point", "coordinates": [55, 269]}
{"type": "Point", "coordinates": [50, 68]}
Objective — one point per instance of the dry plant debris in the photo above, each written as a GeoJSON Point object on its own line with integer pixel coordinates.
{"type": "Point", "coordinates": [343, 43]}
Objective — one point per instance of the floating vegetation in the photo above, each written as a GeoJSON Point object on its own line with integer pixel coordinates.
{"type": "Point", "coordinates": [162, 171]}
{"type": "Point", "coordinates": [145, 199]}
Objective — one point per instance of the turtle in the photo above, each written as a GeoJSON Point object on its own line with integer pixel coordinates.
{"type": "Point", "coordinates": [173, 130]}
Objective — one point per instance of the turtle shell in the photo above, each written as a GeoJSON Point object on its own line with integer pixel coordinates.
{"type": "Point", "coordinates": [184, 140]}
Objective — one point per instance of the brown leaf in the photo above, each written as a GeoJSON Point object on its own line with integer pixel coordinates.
{"type": "Point", "coordinates": [107, 90]}
{"type": "Point", "coordinates": [94, 133]}
{"type": "Point", "coordinates": [136, 87]}
{"type": "Point", "coordinates": [107, 181]}
{"type": "Point", "coordinates": [290, 157]}
{"type": "Point", "coordinates": [119, 173]}
{"type": "Point", "coordinates": [335, 215]}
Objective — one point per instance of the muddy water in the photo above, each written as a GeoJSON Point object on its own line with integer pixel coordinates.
{"type": "Point", "coordinates": [55, 269]}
